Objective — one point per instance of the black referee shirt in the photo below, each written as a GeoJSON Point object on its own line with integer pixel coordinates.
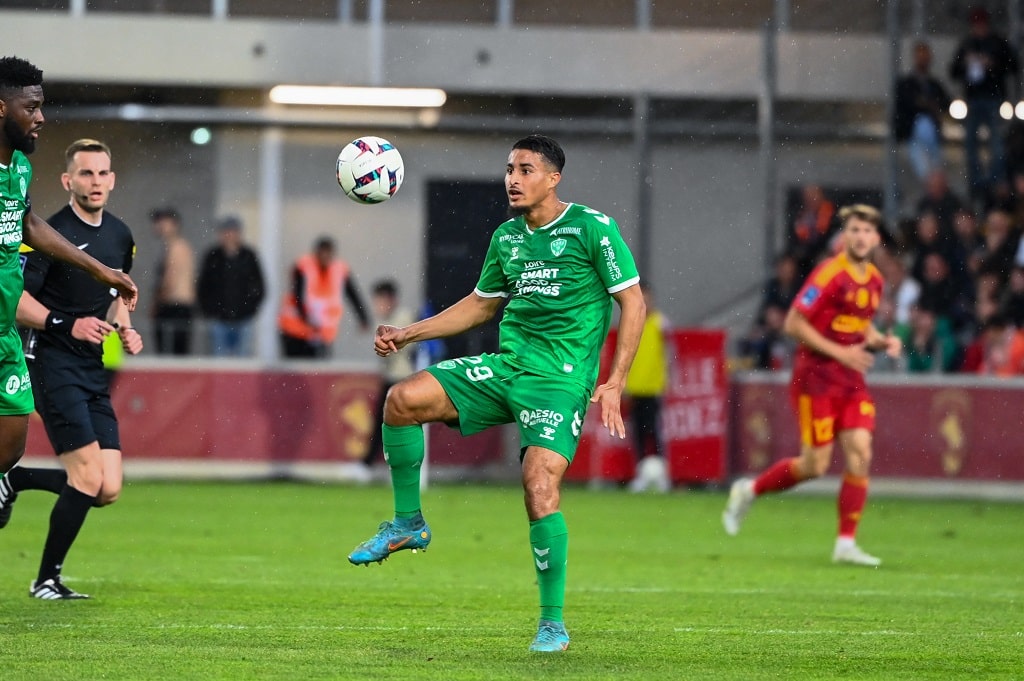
{"type": "Point", "coordinates": [65, 289]}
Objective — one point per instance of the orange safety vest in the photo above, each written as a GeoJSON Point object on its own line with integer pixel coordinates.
{"type": "Point", "coordinates": [323, 301]}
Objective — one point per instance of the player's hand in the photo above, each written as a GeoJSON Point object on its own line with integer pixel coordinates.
{"type": "Point", "coordinates": [856, 357]}
{"type": "Point", "coordinates": [893, 346]}
{"type": "Point", "coordinates": [124, 285]}
{"type": "Point", "coordinates": [131, 340]}
{"type": "Point", "coordinates": [609, 396]}
{"type": "Point", "coordinates": [388, 340]}
{"type": "Point", "coordinates": [91, 330]}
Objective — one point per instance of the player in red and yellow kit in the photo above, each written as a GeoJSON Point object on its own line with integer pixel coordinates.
{"type": "Point", "coordinates": [831, 320]}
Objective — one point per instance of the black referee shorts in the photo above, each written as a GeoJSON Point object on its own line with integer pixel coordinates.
{"type": "Point", "coordinates": [73, 398]}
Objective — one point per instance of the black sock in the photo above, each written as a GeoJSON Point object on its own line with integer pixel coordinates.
{"type": "Point", "coordinates": [65, 521]}
{"type": "Point", "coordinates": [48, 479]}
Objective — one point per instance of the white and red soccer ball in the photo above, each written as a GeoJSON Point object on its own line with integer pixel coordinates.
{"type": "Point", "coordinates": [370, 169]}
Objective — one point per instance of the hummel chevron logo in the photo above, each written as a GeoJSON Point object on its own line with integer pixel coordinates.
{"type": "Point", "coordinates": [541, 553]}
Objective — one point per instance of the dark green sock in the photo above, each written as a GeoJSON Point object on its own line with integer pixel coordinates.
{"type": "Point", "coordinates": [549, 540]}
{"type": "Point", "coordinates": [403, 450]}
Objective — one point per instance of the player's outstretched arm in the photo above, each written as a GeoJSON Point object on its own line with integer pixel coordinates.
{"type": "Point", "coordinates": [632, 312]}
{"type": "Point", "coordinates": [471, 311]}
{"type": "Point", "coordinates": [38, 234]}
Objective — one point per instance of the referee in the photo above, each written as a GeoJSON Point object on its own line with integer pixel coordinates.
{"type": "Point", "coordinates": [69, 315]}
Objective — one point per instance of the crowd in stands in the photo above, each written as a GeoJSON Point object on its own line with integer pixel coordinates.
{"type": "Point", "coordinates": [954, 278]}
{"type": "Point", "coordinates": [954, 269]}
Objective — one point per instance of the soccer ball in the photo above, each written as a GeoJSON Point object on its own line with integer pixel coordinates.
{"type": "Point", "coordinates": [370, 169]}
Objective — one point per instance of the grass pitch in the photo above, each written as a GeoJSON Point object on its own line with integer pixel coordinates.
{"type": "Point", "coordinates": [250, 581]}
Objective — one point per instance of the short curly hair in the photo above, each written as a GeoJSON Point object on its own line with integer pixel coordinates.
{"type": "Point", "coordinates": [17, 74]}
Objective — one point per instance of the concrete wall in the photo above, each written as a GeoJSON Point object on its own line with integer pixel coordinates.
{"type": "Point", "coordinates": [196, 51]}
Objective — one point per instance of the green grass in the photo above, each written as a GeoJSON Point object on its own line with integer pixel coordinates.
{"type": "Point", "coordinates": [250, 581]}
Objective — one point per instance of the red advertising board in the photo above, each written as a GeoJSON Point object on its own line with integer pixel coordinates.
{"type": "Point", "coordinates": [693, 416]}
{"type": "Point", "coordinates": [259, 416]}
{"type": "Point", "coordinates": [940, 427]}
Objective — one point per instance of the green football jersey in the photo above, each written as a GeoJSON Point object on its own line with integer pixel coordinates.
{"type": "Point", "coordinates": [559, 280]}
{"type": "Point", "coordinates": [14, 183]}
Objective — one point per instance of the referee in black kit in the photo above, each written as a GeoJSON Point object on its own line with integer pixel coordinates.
{"type": "Point", "coordinates": [69, 314]}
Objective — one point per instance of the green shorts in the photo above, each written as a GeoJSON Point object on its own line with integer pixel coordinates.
{"type": "Point", "coordinates": [488, 391]}
{"type": "Point", "coordinates": [16, 393]}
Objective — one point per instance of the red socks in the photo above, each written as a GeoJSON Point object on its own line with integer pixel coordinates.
{"type": "Point", "coordinates": [780, 476]}
{"type": "Point", "coordinates": [853, 494]}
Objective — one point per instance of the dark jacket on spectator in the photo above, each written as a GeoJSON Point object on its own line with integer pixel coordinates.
{"type": "Point", "coordinates": [230, 289]}
{"type": "Point", "coordinates": [1002, 63]}
{"type": "Point", "coordinates": [918, 95]}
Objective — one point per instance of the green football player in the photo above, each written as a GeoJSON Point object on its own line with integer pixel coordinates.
{"type": "Point", "coordinates": [559, 265]}
{"type": "Point", "coordinates": [21, 119]}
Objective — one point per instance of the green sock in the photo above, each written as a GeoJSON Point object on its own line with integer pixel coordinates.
{"type": "Point", "coordinates": [549, 539]}
{"type": "Point", "coordinates": [403, 450]}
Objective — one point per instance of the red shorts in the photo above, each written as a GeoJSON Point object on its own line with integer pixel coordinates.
{"type": "Point", "coordinates": [820, 417]}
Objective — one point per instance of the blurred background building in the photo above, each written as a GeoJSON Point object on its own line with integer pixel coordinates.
{"type": "Point", "coordinates": [695, 123]}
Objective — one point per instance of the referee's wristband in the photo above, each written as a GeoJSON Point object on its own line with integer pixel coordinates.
{"type": "Point", "coordinates": [58, 323]}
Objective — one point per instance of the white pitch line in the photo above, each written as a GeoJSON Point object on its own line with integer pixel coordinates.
{"type": "Point", "coordinates": [836, 632]}
{"type": "Point", "coordinates": [715, 631]}
{"type": "Point", "coordinates": [854, 593]}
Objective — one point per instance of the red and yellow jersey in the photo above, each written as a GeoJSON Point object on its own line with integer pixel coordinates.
{"type": "Point", "coordinates": [840, 303]}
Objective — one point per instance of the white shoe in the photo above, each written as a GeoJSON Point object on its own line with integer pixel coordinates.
{"type": "Point", "coordinates": [651, 473]}
{"type": "Point", "coordinates": [741, 496]}
{"type": "Point", "coordinates": [637, 485]}
{"type": "Point", "coordinates": [848, 552]}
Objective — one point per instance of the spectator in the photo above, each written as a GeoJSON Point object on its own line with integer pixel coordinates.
{"type": "Point", "coordinates": [999, 246]}
{"type": "Point", "coordinates": [395, 366]}
{"type": "Point", "coordinates": [941, 200]}
{"type": "Point", "coordinates": [175, 296]}
{"type": "Point", "coordinates": [433, 350]}
{"type": "Point", "coordinates": [766, 345]}
{"type": "Point", "coordinates": [1011, 304]}
{"type": "Point", "coordinates": [983, 62]}
{"type": "Point", "coordinates": [781, 289]}
{"type": "Point", "coordinates": [900, 292]}
{"type": "Point", "coordinates": [311, 310]}
{"type": "Point", "coordinates": [928, 342]}
{"type": "Point", "coordinates": [230, 291]}
{"type": "Point", "coordinates": [1015, 147]}
{"type": "Point", "coordinates": [812, 228]}
{"type": "Point", "coordinates": [986, 295]}
{"type": "Point", "coordinates": [927, 240]}
{"type": "Point", "coordinates": [1016, 202]}
{"type": "Point", "coordinates": [646, 383]}
{"type": "Point", "coordinates": [940, 293]}
{"type": "Point", "coordinates": [977, 354]}
{"type": "Point", "coordinates": [966, 241]}
{"type": "Point", "coordinates": [921, 103]}
{"type": "Point", "coordinates": [1002, 349]}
